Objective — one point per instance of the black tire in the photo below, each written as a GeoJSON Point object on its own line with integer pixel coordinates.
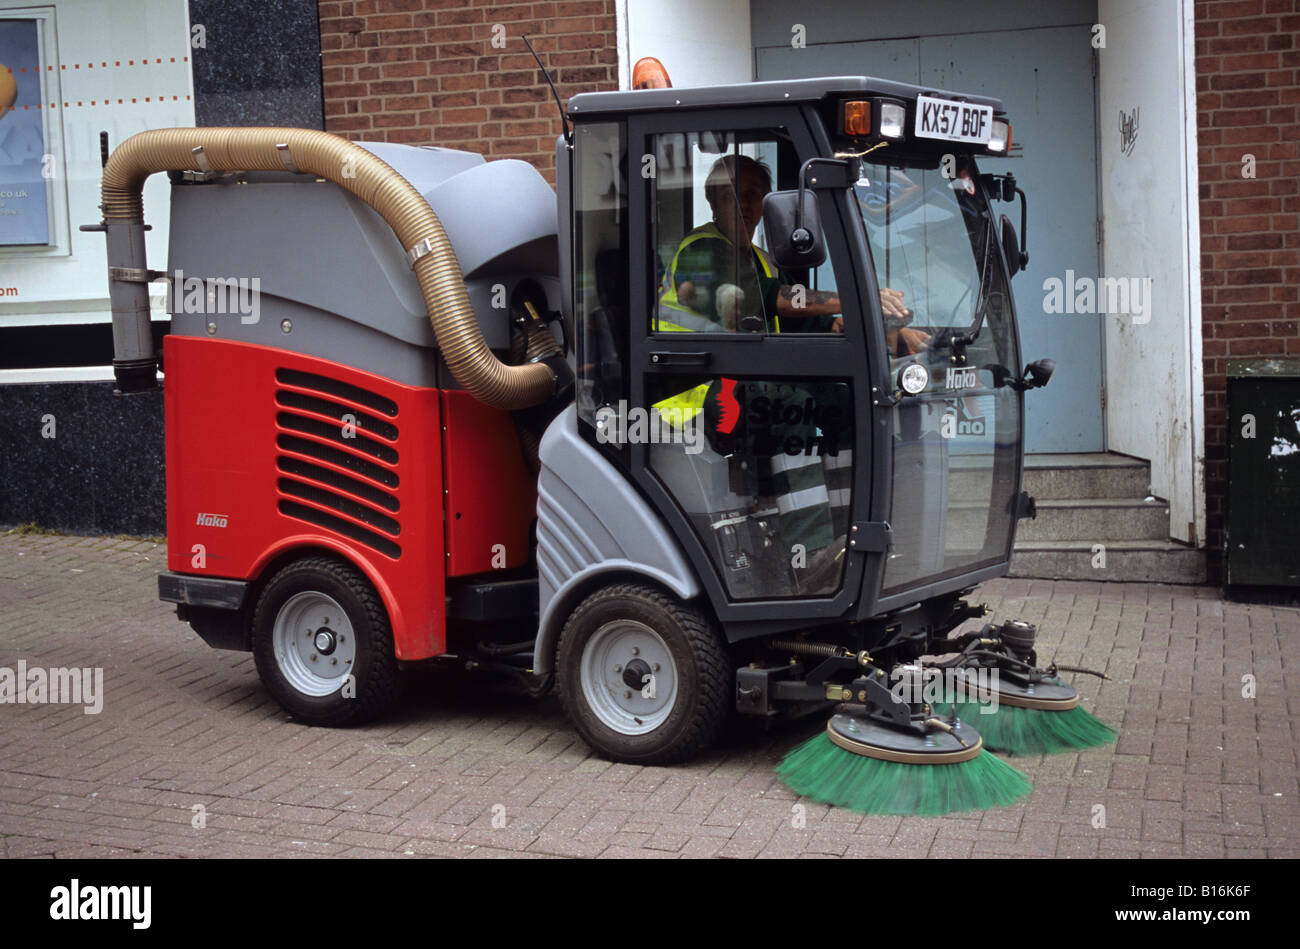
{"type": "Point", "coordinates": [373, 661]}
{"type": "Point", "coordinates": [703, 673]}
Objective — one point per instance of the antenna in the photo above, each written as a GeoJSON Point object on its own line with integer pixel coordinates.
{"type": "Point", "coordinates": [564, 120]}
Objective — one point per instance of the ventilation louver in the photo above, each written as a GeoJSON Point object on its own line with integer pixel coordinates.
{"type": "Point", "coordinates": [337, 448]}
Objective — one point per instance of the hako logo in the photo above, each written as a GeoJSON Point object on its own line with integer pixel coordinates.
{"type": "Point", "coordinates": [962, 378]}
{"type": "Point", "coordinates": [212, 520]}
{"type": "Point", "coordinates": [728, 407]}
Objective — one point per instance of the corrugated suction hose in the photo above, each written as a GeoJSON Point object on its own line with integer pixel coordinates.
{"type": "Point", "coordinates": [355, 170]}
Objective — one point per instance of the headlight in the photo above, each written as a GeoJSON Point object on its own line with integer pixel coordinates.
{"type": "Point", "coordinates": [913, 378]}
{"type": "Point", "coordinates": [893, 120]}
{"type": "Point", "coordinates": [1000, 139]}
{"type": "Point", "coordinates": [874, 118]}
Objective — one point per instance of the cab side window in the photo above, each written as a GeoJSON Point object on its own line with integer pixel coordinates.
{"type": "Point", "coordinates": [600, 267]}
{"type": "Point", "coordinates": [712, 274]}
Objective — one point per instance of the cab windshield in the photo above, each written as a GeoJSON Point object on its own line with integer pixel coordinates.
{"type": "Point", "coordinates": [931, 239]}
{"type": "Point", "coordinates": [943, 294]}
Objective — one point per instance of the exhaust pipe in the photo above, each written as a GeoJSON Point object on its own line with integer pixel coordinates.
{"type": "Point", "coordinates": [327, 156]}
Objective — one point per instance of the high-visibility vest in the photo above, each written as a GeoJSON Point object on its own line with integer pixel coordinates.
{"type": "Point", "coordinates": [680, 408]}
{"type": "Point", "coordinates": [691, 320]}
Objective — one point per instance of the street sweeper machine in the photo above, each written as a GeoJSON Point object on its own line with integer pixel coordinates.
{"type": "Point", "coordinates": [737, 431]}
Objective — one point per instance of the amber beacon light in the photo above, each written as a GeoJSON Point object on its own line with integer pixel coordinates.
{"type": "Point", "coordinates": [649, 73]}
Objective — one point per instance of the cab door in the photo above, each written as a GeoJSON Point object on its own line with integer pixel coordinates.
{"type": "Point", "coordinates": [754, 441]}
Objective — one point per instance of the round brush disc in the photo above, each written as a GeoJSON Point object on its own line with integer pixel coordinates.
{"type": "Point", "coordinates": [1045, 696]}
{"type": "Point", "coordinates": [865, 737]}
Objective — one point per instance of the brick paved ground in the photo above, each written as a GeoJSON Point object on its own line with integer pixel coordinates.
{"type": "Point", "coordinates": [1199, 770]}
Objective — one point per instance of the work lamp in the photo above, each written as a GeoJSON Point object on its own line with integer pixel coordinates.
{"type": "Point", "coordinates": [1000, 139]}
{"type": "Point", "coordinates": [875, 118]}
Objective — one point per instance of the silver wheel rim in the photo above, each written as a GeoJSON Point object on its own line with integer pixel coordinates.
{"type": "Point", "coordinates": [315, 647]}
{"type": "Point", "coordinates": [605, 661]}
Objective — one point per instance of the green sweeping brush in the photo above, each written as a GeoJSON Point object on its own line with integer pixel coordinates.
{"type": "Point", "coordinates": [843, 766]}
{"type": "Point", "coordinates": [1035, 712]}
{"type": "Point", "coordinates": [1032, 731]}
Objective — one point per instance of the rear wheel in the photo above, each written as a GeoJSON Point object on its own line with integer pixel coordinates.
{"type": "Point", "coordinates": [323, 645]}
{"type": "Point", "coordinates": [644, 679]}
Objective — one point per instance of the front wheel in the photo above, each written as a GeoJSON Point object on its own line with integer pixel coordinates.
{"type": "Point", "coordinates": [323, 645]}
{"type": "Point", "coordinates": [644, 678]}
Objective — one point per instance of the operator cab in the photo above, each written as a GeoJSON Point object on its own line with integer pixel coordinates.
{"type": "Point", "coordinates": [796, 337]}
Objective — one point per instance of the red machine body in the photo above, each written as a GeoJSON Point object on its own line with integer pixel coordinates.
{"type": "Point", "coordinates": [271, 454]}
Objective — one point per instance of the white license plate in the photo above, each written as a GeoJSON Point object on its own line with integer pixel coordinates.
{"type": "Point", "coordinates": [953, 121]}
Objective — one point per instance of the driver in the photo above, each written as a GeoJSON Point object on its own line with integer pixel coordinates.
{"type": "Point", "coordinates": [901, 339]}
{"type": "Point", "coordinates": [709, 279]}
{"type": "Point", "coordinates": [697, 285]}
{"type": "Point", "coordinates": [713, 285]}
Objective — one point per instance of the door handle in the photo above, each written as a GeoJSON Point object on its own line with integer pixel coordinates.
{"type": "Point", "coordinates": [680, 359]}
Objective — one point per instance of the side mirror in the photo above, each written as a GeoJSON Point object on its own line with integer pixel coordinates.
{"type": "Point", "coordinates": [1011, 247]}
{"type": "Point", "coordinates": [794, 229]}
{"type": "Point", "coordinates": [1035, 376]}
{"type": "Point", "coordinates": [1039, 372]}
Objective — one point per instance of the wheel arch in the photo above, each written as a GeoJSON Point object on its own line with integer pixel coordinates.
{"type": "Point", "coordinates": [318, 586]}
{"type": "Point", "coordinates": [291, 549]}
{"type": "Point", "coordinates": [592, 578]}
{"type": "Point", "coordinates": [594, 528]}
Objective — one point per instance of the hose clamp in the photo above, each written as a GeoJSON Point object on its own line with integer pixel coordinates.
{"type": "Point", "coordinates": [419, 250]}
{"type": "Point", "coordinates": [286, 158]}
{"type": "Point", "coordinates": [201, 159]}
{"type": "Point", "coordinates": [133, 274]}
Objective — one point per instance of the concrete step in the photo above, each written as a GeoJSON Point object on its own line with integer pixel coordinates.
{"type": "Point", "coordinates": [1090, 475]}
{"type": "Point", "coordinates": [1132, 561]}
{"type": "Point", "coordinates": [1096, 519]}
{"type": "Point", "coordinates": [1086, 503]}
{"type": "Point", "coordinates": [1092, 519]}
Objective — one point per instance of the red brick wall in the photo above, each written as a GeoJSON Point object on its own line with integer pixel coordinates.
{"type": "Point", "coordinates": [1247, 66]}
{"type": "Point", "coordinates": [425, 72]}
